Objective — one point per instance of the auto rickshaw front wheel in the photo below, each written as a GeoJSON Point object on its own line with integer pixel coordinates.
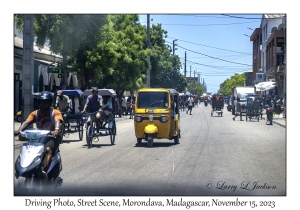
{"type": "Point", "coordinates": [139, 140]}
{"type": "Point", "coordinates": [150, 140]}
{"type": "Point", "coordinates": [176, 139]}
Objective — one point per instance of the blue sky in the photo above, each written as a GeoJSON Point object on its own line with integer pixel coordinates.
{"type": "Point", "coordinates": [207, 38]}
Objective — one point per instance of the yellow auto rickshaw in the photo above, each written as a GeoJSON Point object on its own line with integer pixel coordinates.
{"type": "Point", "coordinates": [157, 115]}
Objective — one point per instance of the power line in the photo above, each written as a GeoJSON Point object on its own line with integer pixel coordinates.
{"type": "Point", "coordinates": [212, 56]}
{"type": "Point", "coordinates": [217, 24]}
{"type": "Point", "coordinates": [216, 67]}
{"type": "Point", "coordinates": [253, 18]}
{"type": "Point", "coordinates": [211, 46]}
{"type": "Point", "coordinates": [200, 16]}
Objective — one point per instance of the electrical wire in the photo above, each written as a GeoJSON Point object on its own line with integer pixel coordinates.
{"type": "Point", "coordinates": [211, 56]}
{"type": "Point", "coordinates": [209, 46]}
{"type": "Point", "coordinates": [218, 24]}
{"type": "Point", "coordinates": [263, 17]}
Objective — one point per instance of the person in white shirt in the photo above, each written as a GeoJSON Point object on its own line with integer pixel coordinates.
{"type": "Point", "coordinates": [190, 105]}
{"type": "Point", "coordinates": [106, 109]}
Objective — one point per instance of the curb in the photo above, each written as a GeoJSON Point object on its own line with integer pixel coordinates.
{"type": "Point", "coordinates": [277, 123]}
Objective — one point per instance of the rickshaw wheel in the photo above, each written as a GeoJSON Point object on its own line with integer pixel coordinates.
{"type": "Point", "coordinates": [112, 133]}
{"type": "Point", "coordinates": [246, 118]}
{"type": "Point", "coordinates": [89, 137]}
{"type": "Point", "coordinates": [176, 139]}
{"type": "Point", "coordinates": [150, 140]}
{"type": "Point", "coordinates": [211, 114]}
{"type": "Point", "coordinates": [80, 131]}
{"type": "Point", "coordinates": [221, 114]}
{"type": "Point", "coordinates": [139, 140]}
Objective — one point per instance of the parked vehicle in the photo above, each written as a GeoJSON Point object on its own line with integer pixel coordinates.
{"type": "Point", "coordinates": [29, 164]}
{"type": "Point", "coordinates": [157, 115]}
{"type": "Point", "coordinates": [242, 93]}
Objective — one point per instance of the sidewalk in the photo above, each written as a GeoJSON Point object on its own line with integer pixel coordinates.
{"type": "Point", "coordinates": [278, 121]}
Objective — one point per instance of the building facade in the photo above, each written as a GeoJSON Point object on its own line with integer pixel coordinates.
{"type": "Point", "coordinates": [44, 78]}
{"type": "Point", "coordinates": [269, 51]}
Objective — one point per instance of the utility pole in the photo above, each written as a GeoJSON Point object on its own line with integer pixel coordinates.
{"type": "Point", "coordinates": [190, 71]}
{"type": "Point", "coordinates": [28, 67]}
{"type": "Point", "coordinates": [185, 64]}
{"type": "Point", "coordinates": [194, 73]}
{"type": "Point", "coordinates": [174, 44]}
{"type": "Point", "coordinates": [148, 46]}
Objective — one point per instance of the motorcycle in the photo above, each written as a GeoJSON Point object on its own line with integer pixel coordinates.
{"type": "Point", "coordinates": [205, 102]}
{"type": "Point", "coordinates": [29, 164]}
{"type": "Point", "coordinates": [269, 111]}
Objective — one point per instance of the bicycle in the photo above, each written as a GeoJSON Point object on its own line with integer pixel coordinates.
{"type": "Point", "coordinates": [91, 127]}
{"type": "Point", "coordinates": [65, 126]}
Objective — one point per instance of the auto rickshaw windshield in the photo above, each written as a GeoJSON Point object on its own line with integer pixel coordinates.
{"type": "Point", "coordinates": [152, 100]}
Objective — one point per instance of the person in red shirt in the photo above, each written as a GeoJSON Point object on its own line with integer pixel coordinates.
{"type": "Point", "coordinates": [46, 118]}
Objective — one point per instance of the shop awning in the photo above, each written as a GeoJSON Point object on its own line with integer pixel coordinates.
{"type": "Point", "coordinates": [263, 86]}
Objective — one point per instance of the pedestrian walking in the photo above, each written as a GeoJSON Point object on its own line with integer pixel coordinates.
{"type": "Point", "coordinates": [190, 104]}
{"type": "Point", "coordinates": [238, 109]}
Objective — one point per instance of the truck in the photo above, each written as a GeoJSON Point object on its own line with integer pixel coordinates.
{"type": "Point", "coordinates": [242, 93]}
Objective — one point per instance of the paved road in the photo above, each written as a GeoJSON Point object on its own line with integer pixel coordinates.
{"type": "Point", "coordinates": [216, 156]}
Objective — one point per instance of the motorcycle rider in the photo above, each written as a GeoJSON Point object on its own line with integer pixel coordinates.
{"type": "Point", "coordinates": [46, 118]}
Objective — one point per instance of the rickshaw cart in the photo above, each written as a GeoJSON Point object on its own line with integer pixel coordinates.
{"type": "Point", "coordinates": [253, 109]}
{"type": "Point", "coordinates": [75, 117]}
{"type": "Point", "coordinates": [217, 104]}
{"type": "Point", "coordinates": [107, 128]}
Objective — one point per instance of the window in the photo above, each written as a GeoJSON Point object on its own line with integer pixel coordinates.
{"type": "Point", "coordinates": [153, 100]}
{"type": "Point", "coordinates": [280, 40]}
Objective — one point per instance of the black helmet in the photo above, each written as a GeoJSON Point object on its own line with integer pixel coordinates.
{"type": "Point", "coordinates": [45, 95]}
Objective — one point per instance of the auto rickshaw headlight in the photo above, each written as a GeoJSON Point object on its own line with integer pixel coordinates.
{"type": "Point", "coordinates": [150, 117]}
{"type": "Point", "coordinates": [138, 119]}
{"type": "Point", "coordinates": [164, 119]}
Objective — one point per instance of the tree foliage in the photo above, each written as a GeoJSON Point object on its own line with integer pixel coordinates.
{"type": "Point", "coordinates": [236, 80]}
{"type": "Point", "coordinates": [195, 88]}
{"type": "Point", "coordinates": [109, 51]}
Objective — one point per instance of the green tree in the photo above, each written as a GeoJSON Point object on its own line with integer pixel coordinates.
{"type": "Point", "coordinates": [235, 80]}
{"type": "Point", "coordinates": [165, 67]}
{"type": "Point", "coordinates": [65, 33]}
{"type": "Point", "coordinates": [118, 59]}
{"type": "Point", "coordinates": [195, 88]}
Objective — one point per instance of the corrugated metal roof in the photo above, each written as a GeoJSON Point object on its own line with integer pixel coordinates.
{"type": "Point", "coordinates": [274, 15]}
{"type": "Point", "coordinates": [45, 50]}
